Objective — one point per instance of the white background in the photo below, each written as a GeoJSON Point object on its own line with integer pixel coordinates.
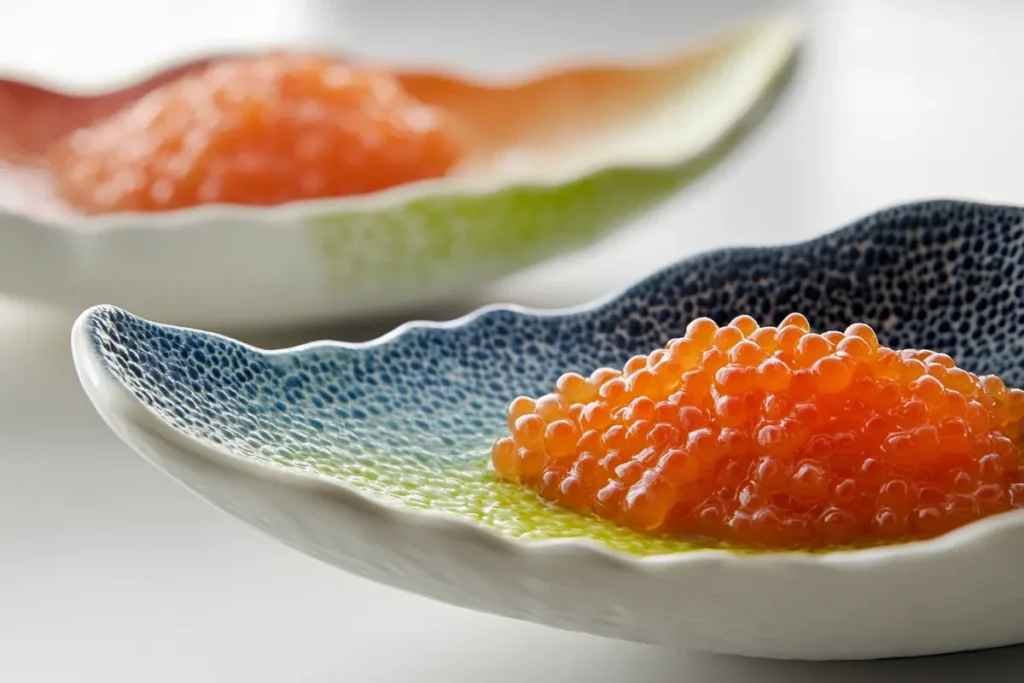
{"type": "Point", "coordinates": [110, 572]}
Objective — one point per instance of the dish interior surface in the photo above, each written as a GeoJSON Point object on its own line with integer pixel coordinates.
{"type": "Point", "coordinates": [559, 126]}
{"type": "Point", "coordinates": [410, 418]}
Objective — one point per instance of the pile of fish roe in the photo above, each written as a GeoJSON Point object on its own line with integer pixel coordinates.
{"type": "Point", "coordinates": [257, 131]}
{"type": "Point", "coordinates": [774, 437]}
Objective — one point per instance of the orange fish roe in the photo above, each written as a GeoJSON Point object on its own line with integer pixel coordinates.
{"type": "Point", "coordinates": [774, 437]}
{"type": "Point", "coordinates": [260, 131]}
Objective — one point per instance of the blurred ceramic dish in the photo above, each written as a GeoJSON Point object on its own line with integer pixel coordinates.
{"type": "Point", "coordinates": [556, 167]}
{"type": "Point", "coordinates": [373, 457]}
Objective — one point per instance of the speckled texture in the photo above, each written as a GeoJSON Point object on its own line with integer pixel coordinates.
{"type": "Point", "coordinates": [411, 419]}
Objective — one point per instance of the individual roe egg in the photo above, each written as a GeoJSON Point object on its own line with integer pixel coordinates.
{"type": "Point", "coordinates": [774, 437]}
{"type": "Point", "coordinates": [257, 131]}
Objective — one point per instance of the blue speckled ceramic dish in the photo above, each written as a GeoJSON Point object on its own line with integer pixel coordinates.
{"type": "Point", "coordinates": [374, 456]}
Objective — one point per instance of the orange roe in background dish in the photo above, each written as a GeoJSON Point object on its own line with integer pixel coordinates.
{"type": "Point", "coordinates": [774, 437]}
{"type": "Point", "coordinates": [259, 131]}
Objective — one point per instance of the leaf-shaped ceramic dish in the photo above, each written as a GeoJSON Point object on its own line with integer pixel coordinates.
{"type": "Point", "coordinates": [373, 457]}
{"type": "Point", "coordinates": [555, 164]}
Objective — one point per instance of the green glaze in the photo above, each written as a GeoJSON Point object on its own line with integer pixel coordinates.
{"type": "Point", "coordinates": [470, 490]}
{"type": "Point", "coordinates": [454, 241]}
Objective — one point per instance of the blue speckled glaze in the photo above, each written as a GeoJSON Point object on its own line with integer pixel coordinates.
{"type": "Point", "coordinates": [412, 418]}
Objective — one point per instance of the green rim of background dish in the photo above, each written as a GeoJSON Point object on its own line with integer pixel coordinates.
{"type": "Point", "coordinates": [455, 240]}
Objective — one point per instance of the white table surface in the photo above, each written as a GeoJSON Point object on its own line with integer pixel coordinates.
{"type": "Point", "coordinates": [111, 573]}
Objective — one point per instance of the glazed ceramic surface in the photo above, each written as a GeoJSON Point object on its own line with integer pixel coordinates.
{"type": "Point", "coordinates": [567, 179]}
{"type": "Point", "coordinates": [373, 457]}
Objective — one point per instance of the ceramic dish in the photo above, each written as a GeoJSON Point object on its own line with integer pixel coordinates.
{"type": "Point", "coordinates": [373, 457]}
{"type": "Point", "coordinates": [582, 165]}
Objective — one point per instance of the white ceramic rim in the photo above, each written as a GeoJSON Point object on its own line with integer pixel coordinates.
{"type": "Point", "coordinates": [741, 12]}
